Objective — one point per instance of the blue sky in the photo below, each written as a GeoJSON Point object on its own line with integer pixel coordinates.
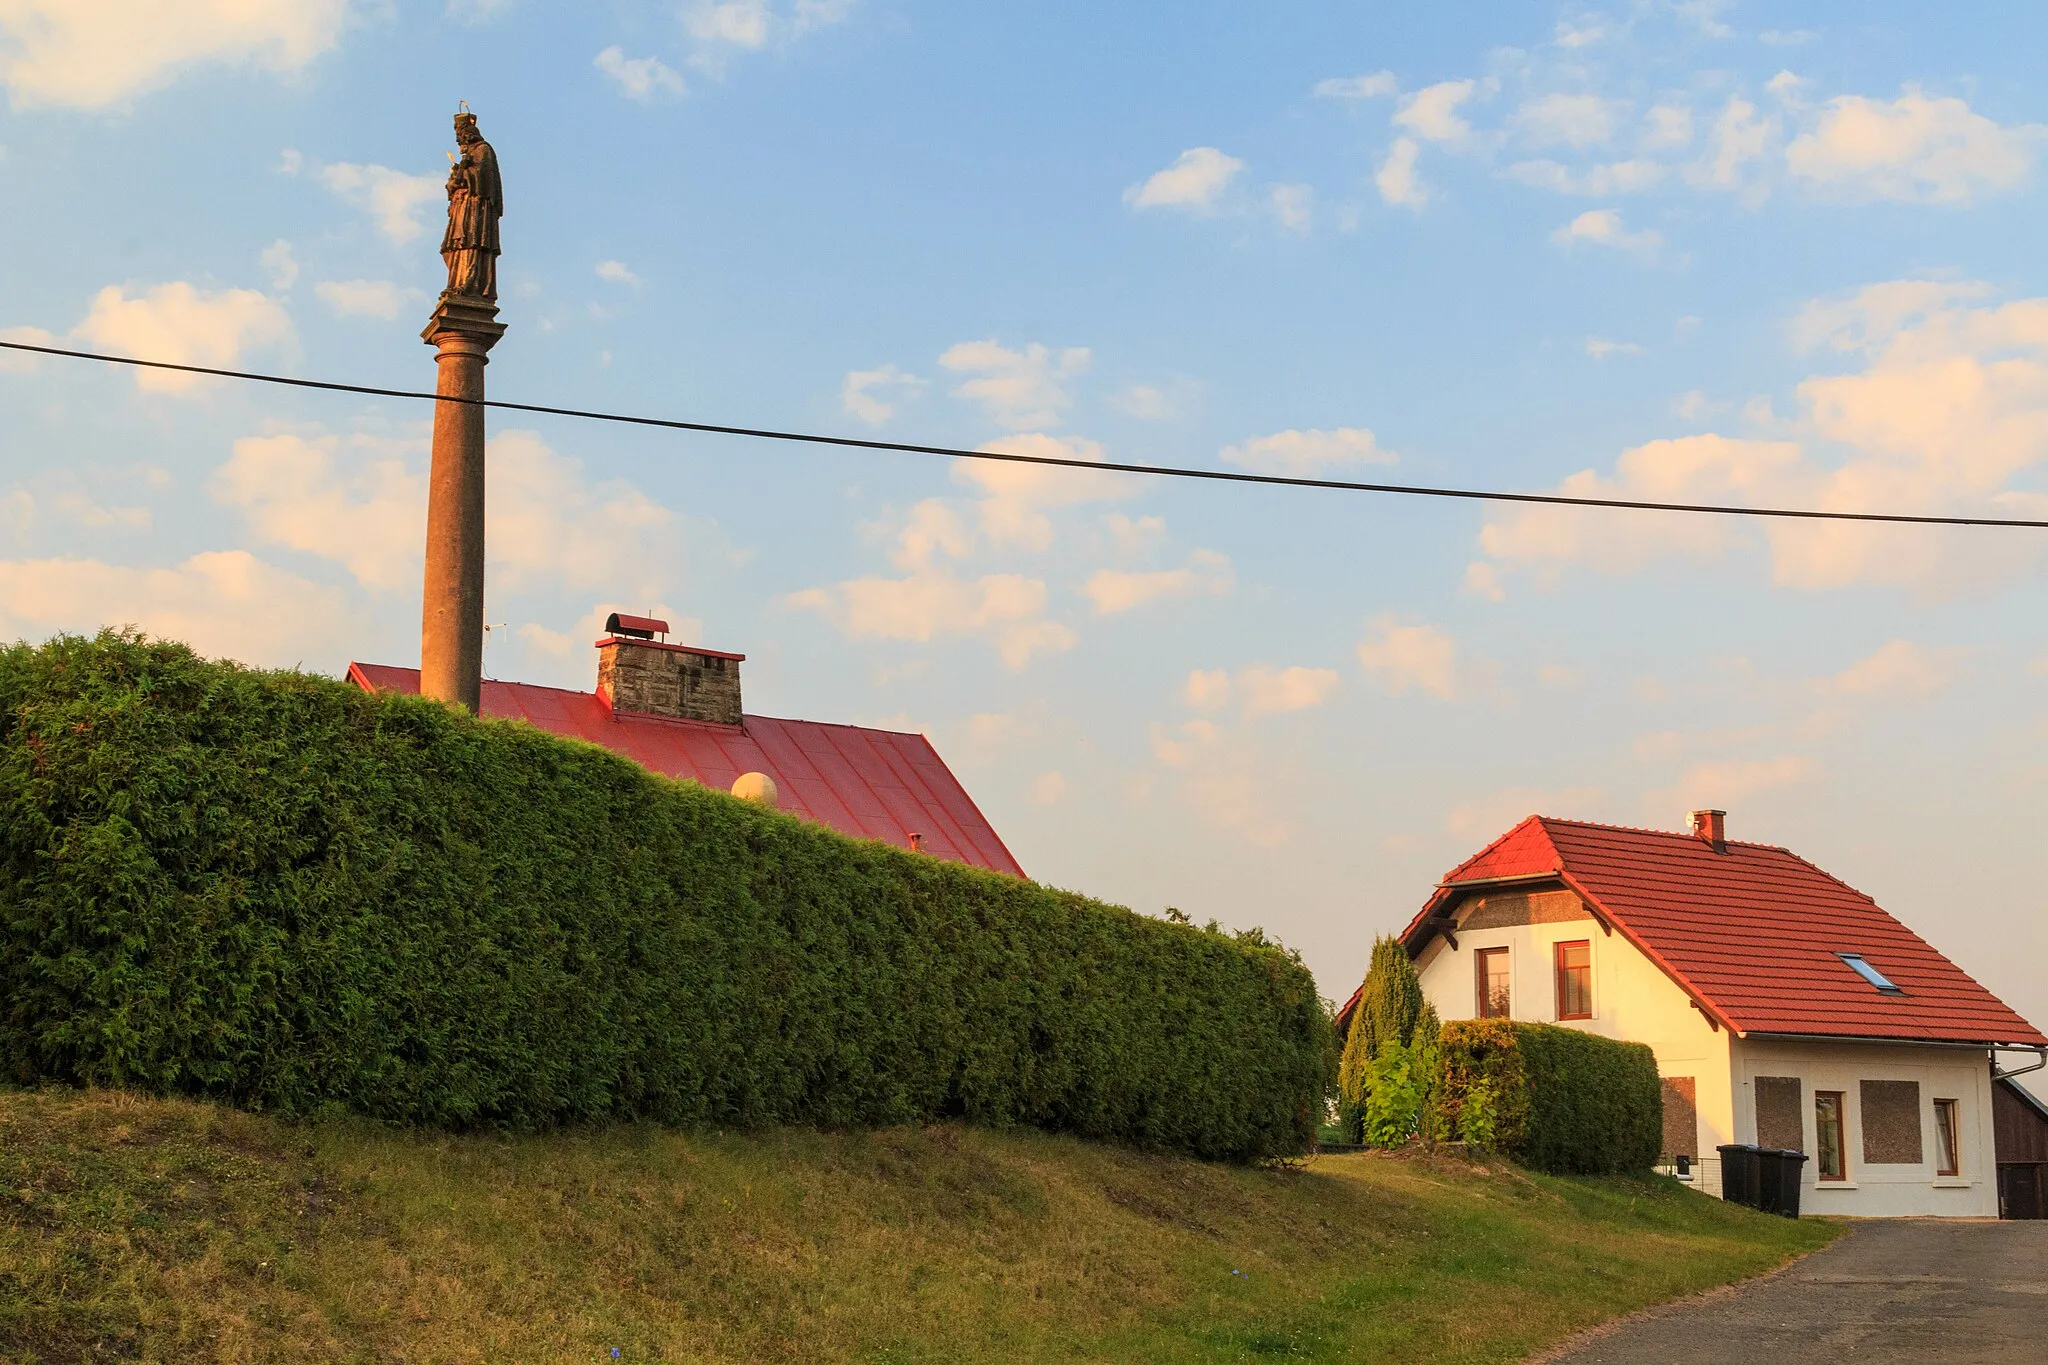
{"type": "Point", "coordinates": [1692, 251]}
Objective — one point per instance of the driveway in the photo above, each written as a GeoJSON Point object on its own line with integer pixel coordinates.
{"type": "Point", "coordinates": [1902, 1291]}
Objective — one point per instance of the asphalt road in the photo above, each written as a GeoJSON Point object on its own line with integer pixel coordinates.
{"type": "Point", "coordinates": [1903, 1291]}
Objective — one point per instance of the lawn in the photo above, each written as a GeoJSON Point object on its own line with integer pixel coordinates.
{"type": "Point", "coordinates": [172, 1231]}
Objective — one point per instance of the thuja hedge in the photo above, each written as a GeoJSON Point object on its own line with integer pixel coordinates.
{"type": "Point", "coordinates": [1557, 1099]}
{"type": "Point", "coordinates": [278, 891]}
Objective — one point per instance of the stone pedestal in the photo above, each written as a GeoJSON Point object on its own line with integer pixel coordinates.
{"type": "Point", "coordinates": [462, 331]}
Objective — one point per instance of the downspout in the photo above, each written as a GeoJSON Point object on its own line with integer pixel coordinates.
{"type": "Point", "coordinates": [2000, 1074]}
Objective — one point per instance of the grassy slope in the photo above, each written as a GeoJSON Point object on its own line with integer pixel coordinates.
{"type": "Point", "coordinates": [162, 1230]}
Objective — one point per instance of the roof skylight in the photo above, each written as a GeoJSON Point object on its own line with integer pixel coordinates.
{"type": "Point", "coordinates": [1870, 973]}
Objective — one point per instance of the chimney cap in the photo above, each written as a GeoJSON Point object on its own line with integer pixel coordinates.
{"type": "Point", "coordinates": [638, 627]}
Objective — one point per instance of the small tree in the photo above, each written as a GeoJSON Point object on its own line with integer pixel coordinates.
{"type": "Point", "coordinates": [1390, 1014]}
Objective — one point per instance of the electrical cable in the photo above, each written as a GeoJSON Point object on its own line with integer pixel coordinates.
{"type": "Point", "coordinates": [1010, 457]}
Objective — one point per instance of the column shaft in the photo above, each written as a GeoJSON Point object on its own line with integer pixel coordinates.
{"type": "Point", "coordinates": [452, 614]}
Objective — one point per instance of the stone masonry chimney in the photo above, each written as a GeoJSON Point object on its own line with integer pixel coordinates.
{"type": "Point", "coordinates": [636, 673]}
{"type": "Point", "coordinates": [1710, 827]}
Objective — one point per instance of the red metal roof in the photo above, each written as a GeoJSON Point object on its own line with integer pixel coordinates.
{"type": "Point", "coordinates": [1751, 934]}
{"type": "Point", "coordinates": [871, 784]}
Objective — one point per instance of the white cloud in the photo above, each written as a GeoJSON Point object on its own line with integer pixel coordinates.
{"type": "Point", "coordinates": [1899, 668]}
{"type": "Point", "coordinates": [860, 392]}
{"type": "Point", "coordinates": [1378, 85]}
{"type": "Point", "coordinates": [185, 326]}
{"type": "Point", "coordinates": [1665, 127]}
{"type": "Point", "coordinates": [92, 54]}
{"type": "Point", "coordinates": [1195, 181]}
{"type": "Point", "coordinates": [1134, 535]}
{"type": "Point", "coordinates": [1396, 179]}
{"type": "Point", "coordinates": [279, 265]}
{"type": "Point", "coordinates": [357, 501]}
{"type": "Point", "coordinates": [1399, 657]}
{"type": "Point", "coordinates": [1113, 591]}
{"type": "Point", "coordinates": [1610, 178]}
{"type": "Point", "coordinates": [616, 272]}
{"type": "Point", "coordinates": [1269, 691]}
{"type": "Point", "coordinates": [476, 11]}
{"type": "Point", "coordinates": [637, 78]}
{"type": "Point", "coordinates": [1577, 121]}
{"type": "Point", "coordinates": [1737, 148]}
{"type": "Point", "coordinates": [362, 503]}
{"type": "Point", "coordinates": [1600, 348]}
{"type": "Point", "coordinates": [1016, 389]}
{"type": "Point", "coordinates": [1144, 401]}
{"type": "Point", "coordinates": [1725, 783]}
{"type": "Point", "coordinates": [1604, 227]}
{"type": "Point", "coordinates": [1049, 789]}
{"type": "Point", "coordinates": [740, 23]}
{"type": "Point", "coordinates": [1483, 580]}
{"type": "Point", "coordinates": [724, 26]}
{"type": "Point", "coordinates": [931, 529]}
{"type": "Point", "coordinates": [1432, 112]}
{"type": "Point", "coordinates": [1947, 414]}
{"type": "Point", "coordinates": [1916, 149]}
{"type": "Point", "coordinates": [365, 298]}
{"type": "Point", "coordinates": [1207, 689]}
{"type": "Point", "coordinates": [393, 198]}
{"type": "Point", "coordinates": [1229, 783]}
{"type": "Point", "coordinates": [1012, 512]}
{"type": "Point", "coordinates": [1583, 31]}
{"type": "Point", "coordinates": [1868, 317]}
{"type": "Point", "coordinates": [1006, 609]}
{"type": "Point", "coordinates": [86, 512]}
{"type": "Point", "coordinates": [1704, 15]}
{"type": "Point", "coordinates": [1311, 453]}
{"type": "Point", "coordinates": [222, 603]}
{"type": "Point", "coordinates": [1293, 205]}
{"type": "Point", "coordinates": [19, 362]}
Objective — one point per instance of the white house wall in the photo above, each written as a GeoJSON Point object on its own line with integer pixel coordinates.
{"type": "Point", "coordinates": [1882, 1191]}
{"type": "Point", "coordinates": [1633, 1000]}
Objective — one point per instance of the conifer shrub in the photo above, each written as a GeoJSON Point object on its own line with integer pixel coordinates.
{"type": "Point", "coordinates": [1556, 1099]}
{"type": "Point", "coordinates": [1392, 1033]}
{"type": "Point", "coordinates": [280, 891]}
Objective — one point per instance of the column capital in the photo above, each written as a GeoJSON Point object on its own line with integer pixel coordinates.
{"type": "Point", "coordinates": [462, 323]}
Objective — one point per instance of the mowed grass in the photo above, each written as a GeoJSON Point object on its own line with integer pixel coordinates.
{"type": "Point", "coordinates": [137, 1229]}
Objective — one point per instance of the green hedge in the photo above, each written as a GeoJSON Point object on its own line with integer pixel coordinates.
{"type": "Point", "coordinates": [1557, 1099]}
{"type": "Point", "coordinates": [279, 891]}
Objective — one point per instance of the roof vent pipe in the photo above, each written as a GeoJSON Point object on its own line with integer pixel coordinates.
{"type": "Point", "coordinates": [1709, 827]}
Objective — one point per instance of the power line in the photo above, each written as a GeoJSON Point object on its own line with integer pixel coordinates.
{"type": "Point", "coordinates": [1008, 457]}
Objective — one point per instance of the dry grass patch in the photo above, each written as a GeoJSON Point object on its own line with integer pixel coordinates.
{"type": "Point", "coordinates": [164, 1230]}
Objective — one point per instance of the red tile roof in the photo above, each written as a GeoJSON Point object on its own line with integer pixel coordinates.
{"type": "Point", "coordinates": [1751, 934]}
{"type": "Point", "coordinates": [871, 784]}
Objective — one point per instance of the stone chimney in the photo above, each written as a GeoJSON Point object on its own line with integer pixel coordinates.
{"type": "Point", "coordinates": [637, 674]}
{"type": "Point", "coordinates": [1710, 827]}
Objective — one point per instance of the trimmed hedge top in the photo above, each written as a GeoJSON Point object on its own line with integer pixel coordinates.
{"type": "Point", "coordinates": [281, 891]}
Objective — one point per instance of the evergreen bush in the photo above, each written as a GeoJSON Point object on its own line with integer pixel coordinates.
{"type": "Point", "coordinates": [1391, 1014]}
{"type": "Point", "coordinates": [1557, 1099]}
{"type": "Point", "coordinates": [282, 892]}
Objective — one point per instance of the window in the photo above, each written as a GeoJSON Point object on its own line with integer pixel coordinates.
{"type": "Point", "coordinates": [1870, 973]}
{"type": "Point", "coordinates": [1493, 982]}
{"type": "Point", "coordinates": [1948, 1142]}
{"type": "Point", "coordinates": [1827, 1134]}
{"type": "Point", "coordinates": [1575, 980]}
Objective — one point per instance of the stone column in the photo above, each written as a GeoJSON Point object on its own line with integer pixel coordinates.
{"type": "Point", "coordinates": [462, 331]}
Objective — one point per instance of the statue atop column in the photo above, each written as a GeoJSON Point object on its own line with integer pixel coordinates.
{"type": "Point", "coordinates": [476, 200]}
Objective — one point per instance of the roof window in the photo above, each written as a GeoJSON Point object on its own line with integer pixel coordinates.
{"type": "Point", "coordinates": [1870, 973]}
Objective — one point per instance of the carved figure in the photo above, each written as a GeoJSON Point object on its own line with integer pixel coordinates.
{"type": "Point", "coordinates": [476, 200]}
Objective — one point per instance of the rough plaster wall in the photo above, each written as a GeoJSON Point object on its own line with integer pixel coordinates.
{"type": "Point", "coordinates": [1780, 1117]}
{"type": "Point", "coordinates": [1505, 909]}
{"type": "Point", "coordinates": [1891, 1122]}
{"type": "Point", "coordinates": [1681, 1117]}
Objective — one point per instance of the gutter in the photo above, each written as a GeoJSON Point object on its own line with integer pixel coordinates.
{"type": "Point", "coordinates": [1882, 1041]}
{"type": "Point", "coordinates": [2000, 1074]}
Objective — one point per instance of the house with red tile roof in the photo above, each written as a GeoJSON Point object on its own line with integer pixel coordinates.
{"type": "Point", "coordinates": [676, 710]}
{"type": "Point", "coordinates": [1785, 1007]}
